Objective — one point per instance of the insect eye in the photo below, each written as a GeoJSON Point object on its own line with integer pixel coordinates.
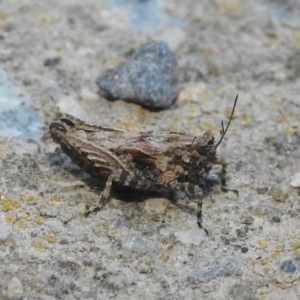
{"type": "Point", "coordinates": [208, 137]}
{"type": "Point", "coordinates": [67, 121]}
{"type": "Point", "coordinates": [58, 126]}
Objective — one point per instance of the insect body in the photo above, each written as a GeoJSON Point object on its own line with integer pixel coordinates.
{"type": "Point", "coordinates": [147, 161]}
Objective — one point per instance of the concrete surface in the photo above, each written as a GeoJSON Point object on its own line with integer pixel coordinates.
{"type": "Point", "coordinates": [51, 54]}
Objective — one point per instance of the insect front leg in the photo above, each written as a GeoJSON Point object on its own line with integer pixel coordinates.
{"type": "Point", "coordinates": [194, 192]}
{"type": "Point", "coordinates": [223, 163]}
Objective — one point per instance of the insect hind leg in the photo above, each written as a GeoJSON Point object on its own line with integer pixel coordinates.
{"type": "Point", "coordinates": [128, 179]}
{"type": "Point", "coordinates": [134, 181]}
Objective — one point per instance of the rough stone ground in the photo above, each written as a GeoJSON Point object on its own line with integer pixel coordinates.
{"type": "Point", "coordinates": [150, 249]}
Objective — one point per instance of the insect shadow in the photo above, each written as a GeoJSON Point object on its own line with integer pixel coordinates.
{"type": "Point", "coordinates": [123, 193]}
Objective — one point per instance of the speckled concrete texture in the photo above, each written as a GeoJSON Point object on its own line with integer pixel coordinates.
{"type": "Point", "coordinates": [51, 54]}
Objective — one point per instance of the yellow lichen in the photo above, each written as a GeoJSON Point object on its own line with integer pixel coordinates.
{"type": "Point", "coordinates": [3, 154]}
{"type": "Point", "coordinates": [38, 219]}
{"type": "Point", "coordinates": [206, 95]}
{"type": "Point", "coordinates": [100, 229]}
{"type": "Point", "coordinates": [294, 39]}
{"type": "Point", "coordinates": [165, 257]}
{"type": "Point", "coordinates": [114, 232]}
{"type": "Point", "coordinates": [3, 14]}
{"type": "Point", "coordinates": [229, 5]}
{"type": "Point", "coordinates": [47, 20]}
{"type": "Point", "coordinates": [252, 262]}
{"type": "Point", "coordinates": [261, 244]}
{"type": "Point", "coordinates": [275, 254]}
{"type": "Point", "coordinates": [58, 49]}
{"type": "Point", "coordinates": [28, 198]}
{"type": "Point", "coordinates": [54, 198]}
{"type": "Point", "coordinates": [10, 218]}
{"type": "Point", "coordinates": [267, 270]}
{"type": "Point", "coordinates": [289, 131]}
{"type": "Point", "coordinates": [43, 207]}
{"type": "Point", "coordinates": [21, 222]}
{"type": "Point", "coordinates": [140, 111]}
{"type": "Point", "coordinates": [9, 204]}
{"type": "Point", "coordinates": [50, 238]}
{"type": "Point", "coordinates": [291, 278]}
{"type": "Point", "coordinates": [295, 245]}
{"type": "Point", "coordinates": [209, 126]}
{"type": "Point", "coordinates": [263, 261]}
{"type": "Point", "coordinates": [175, 119]}
{"type": "Point", "coordinates": [126, 125]}
{"type": "Point", "coordinates": [38, 244]}
{"type": "Point", "coordinates": [244, 119]}
{"type": "Point", "coordinates": [114, 61]}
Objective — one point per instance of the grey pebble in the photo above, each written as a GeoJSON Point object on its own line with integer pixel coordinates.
{"type": "Point", "coordinates": [224, 268]}
{"type": "Point", "coordinates": [275, 219]}
{"type": "Point", "coordinates": [191, 236]}
{"type": "Point", "coordinates": [241, 232]}
{"type": "Point", "coordinates": [135, 244]}
{"type": "Point", "coordinates": [244, 249]}
{"type": "Point", "coordinates": [288, 266]}
{"type": "Point", "coordinates": [248, 220]}
{"type": "Point", "coordinates": [297, 258]}
{"type": "Point", "coordinates": [242, 291]}
{"type": "Point", "coordinates": [280, 191]}
{"type": "Point", "coordinates": [147, 78]}
{"type": "Point", "coordinates": [14, 289]}
{"type": "Point", "coordinates": [52, 62]}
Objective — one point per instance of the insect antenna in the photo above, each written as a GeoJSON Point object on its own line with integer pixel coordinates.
{"type": "Point", "coordinates": [223, 131]}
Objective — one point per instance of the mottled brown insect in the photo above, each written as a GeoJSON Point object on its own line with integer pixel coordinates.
{"type": "Point", "coordinates": [158, 161]}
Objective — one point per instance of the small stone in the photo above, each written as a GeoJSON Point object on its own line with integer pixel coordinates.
{"type": "Point", "coordinates": [14, 288]}
{"type": "Point", "coordinates": [174, 36]}
{"type": "Point", "coordinates": [206, 288]}
{"type": "Point", "coordinates": [166, 251]}
{"type": "Point", "coordinates": [242, 291]}
{"type": "Point", "coordinates": [191, 236]}
{"type": "Point", "coordinates": [225, 231]}
{"type": "Point", "coordinates": [288, 266]}
{"type": "Point", "coordinates": [244, 249]}
{"type": "Point", "coordinates": [88, 95]}
{"type": "Point", "coordinates": [157, 205]}
{"type": "Point", "coordinates": [275, 219]}
{"type": "Point", "coordinates": [280, 191]}
{"type": "Point", "coordinates": [266, 210]}
{"type": "Point", "coordinates": [52, 62]}
{"type": "Point", "coordinates": [296, 180]}
{"type": "Point", "coordinates": [248, 220]}
{"type": "Point", "coordinates": [69, 105]}
{"type": "Point", "coordinates": [145, 269]}
{"type": "Point", "coordinates": [241, 233]}
{"type": "Point", "coordinates": [261, 190]}
{"type": "Point", "coordinates": [226, 241]}
{"type": "Point", "coordinates": [135, 244]}
{"type": "Point", "coordinates": [218, 268]}
{"type": "Point", "coordinates": [146, 78]}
